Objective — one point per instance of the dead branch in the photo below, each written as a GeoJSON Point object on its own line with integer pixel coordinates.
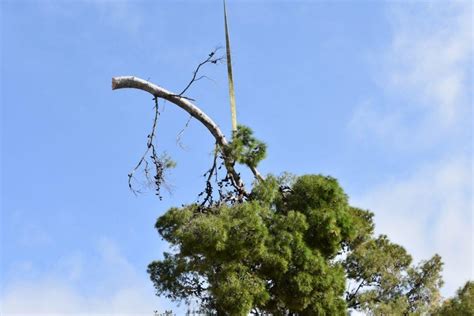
{"type": "Point", "coordinates": [159, 163]}
{"type": "Point", "coordinates": [211, 58]}
{"type": "Point", "coordinates": [181, 132]}
{"type": "Point", "coordinates": [132, 82]}
{"type": "Point", "coordinates": [149, 145]}
{"type": "Point", "coordinates": [208, 190]}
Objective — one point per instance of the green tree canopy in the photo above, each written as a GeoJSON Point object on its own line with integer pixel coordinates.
{"type": "Point", "coordinates": [387, 283]}
{"type": "Point", "coordinates": [460, 305]}
{"type": "Point", "coordinates": [290, 248]}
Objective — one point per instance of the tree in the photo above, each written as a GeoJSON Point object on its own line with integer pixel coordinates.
{"type": "Point", "coordinates": [277, 253]}
{"type": "Point", "coordinates": [287, 246]}
{"type": "Point", "coordinates": [386, 282]}
{"type": "Point", "coordinates": [460, 305]}
{"type": "Point", "coordinates": [259, 254]}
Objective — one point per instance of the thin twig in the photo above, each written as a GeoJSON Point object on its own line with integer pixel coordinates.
{"type": "Point", "coordinates": [210, 59]}
{"type": "Point", "coordinates": [149, 146]}
{"type": "Point", "coordinates": [181, 132]}
{"type": "Point", "coordinates": [208, 190]}
{"type": "Point", "coordinates": [351, 296]}
{"type": "Point", "coordinates": [157, 91]}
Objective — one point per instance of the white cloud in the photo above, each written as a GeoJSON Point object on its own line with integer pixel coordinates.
{"type": "Point", "coordinates": [426, 75]}
{"type": "Point", "coordinates": [118, 289]}
{"type": "Point", "coordinates": [55, 297]}
{"type": "Point", "coordinates": [429, 55]}
{"type": "Point", "coordinates": [430, 212]}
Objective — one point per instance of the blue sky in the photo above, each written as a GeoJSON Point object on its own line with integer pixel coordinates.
{"type": "Point", "coordinates": [376, 94]}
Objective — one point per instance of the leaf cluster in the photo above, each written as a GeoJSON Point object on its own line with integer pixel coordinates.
{"type": "Point", "coordinates": [245, 148]}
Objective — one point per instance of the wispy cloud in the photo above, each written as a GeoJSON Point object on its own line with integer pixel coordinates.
{"type": "Point", "coordinates": [430, 212]}
{"type": "Point", "coordinates": [430, 52]}
{"type": "Point", "coordinates": [426, 74]}
{"type": "Point", "coordinates": [118, 288]}
{"type": "Point", "coordinates": [55, 297]}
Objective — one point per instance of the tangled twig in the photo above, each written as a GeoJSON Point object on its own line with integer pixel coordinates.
{"type": "Point", "coordinates": [208, 198]}
{"type": "Point", "coordinates": [228, 192]}
{"type": "Point", "coordinates": [159, 163]}
{"type": "Point", "coordinates": [232, 178]}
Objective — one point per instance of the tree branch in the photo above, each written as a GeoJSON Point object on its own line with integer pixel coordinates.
{"type": "Point", "coordinates": [149, 145]}
{"type": "Point", "coordinates": [210, 59]}
{"type": "Point", "coordinates": [157, 91]}
{"type": "Point", "coordinates": [351, 296]}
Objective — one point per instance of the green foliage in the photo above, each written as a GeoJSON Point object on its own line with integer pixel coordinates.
{"type": "Point", "coordinates": [290, 249]}
{"type": "Point", "coordinates": [362, 224]}
{"type": "Point", "coordinates": [460, 305]}
{"type": "Point", "coordinates": [245, 148]}
{"type": "Point", "coordinates": [326, 208]}
{"type": "Point", "coordinates": [269, 253]}
{"type": "Point", "coordinates": [387, 284]}
{"type": "Point", "coordinates": [168, 162]}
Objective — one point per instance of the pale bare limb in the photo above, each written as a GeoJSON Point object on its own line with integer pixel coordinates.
{"type": "Point", "coordinates": [157, 91]}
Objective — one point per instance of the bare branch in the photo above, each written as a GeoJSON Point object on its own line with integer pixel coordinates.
{"type": "Point", "coordinates": [211, 58]}
{"type": "Point", "coordinates": [180, 134]}
{"type": "Point", "coordinates": [149, 146]}
{"type": "Point", "coordinates": [160, 163]}
{"type": "Point", "coordinates": [350, 296]}
{"type": "Point", "coordinates": [208, 199]}
{"type": "Point", "coordinates": [194, 111]}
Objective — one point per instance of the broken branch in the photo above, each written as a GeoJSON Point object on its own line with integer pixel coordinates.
{"type": "Point", "coordinates": [157, 91]}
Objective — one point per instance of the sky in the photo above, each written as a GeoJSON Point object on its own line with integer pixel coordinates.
{"type": "Point", "coordinates": [377, 94]}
